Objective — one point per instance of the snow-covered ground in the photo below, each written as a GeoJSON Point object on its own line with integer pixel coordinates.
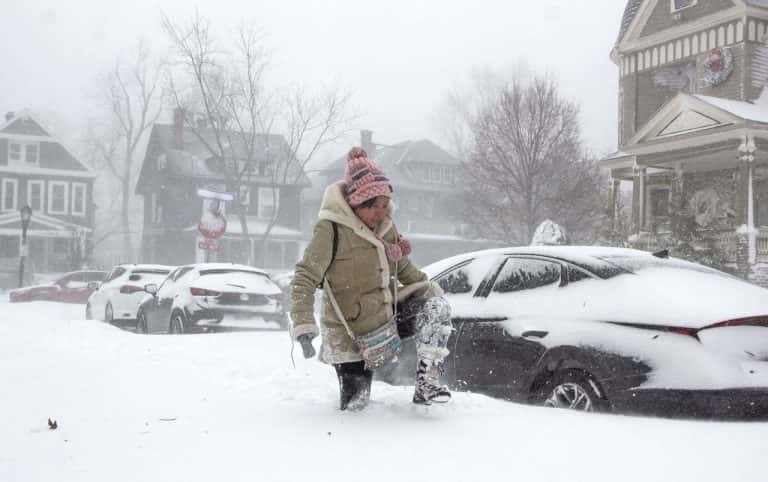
{"type": "Point", "coordinates": [231, 407]}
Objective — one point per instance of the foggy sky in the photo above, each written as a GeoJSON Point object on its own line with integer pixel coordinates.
{"type": "Point", "coordinates": [399, 57]}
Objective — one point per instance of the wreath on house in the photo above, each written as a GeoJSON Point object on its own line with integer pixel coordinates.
{"type": "Point", "coordinates": [718, 67]}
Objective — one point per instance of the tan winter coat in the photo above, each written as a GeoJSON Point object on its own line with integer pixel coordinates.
{"type": "Point", "coordinates": [359, 277]}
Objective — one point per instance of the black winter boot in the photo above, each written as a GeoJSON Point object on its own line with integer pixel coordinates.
{"type": "Point", "coordinates": [428, 388]}
{"type": "Point", "coordinates": [354, 385]}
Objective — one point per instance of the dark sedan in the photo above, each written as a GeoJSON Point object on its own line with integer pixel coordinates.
{"type": "Point", "coordinates": [604, 329]}
{"type": "Point", "coordinates": [70, 288]}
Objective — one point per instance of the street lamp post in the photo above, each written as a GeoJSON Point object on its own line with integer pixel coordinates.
{"type": "Point", "coordinates": [26, 215]}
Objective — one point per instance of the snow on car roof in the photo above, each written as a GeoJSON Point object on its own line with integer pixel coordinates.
{"type": "Point", "coordinates": [134, 267]}
{"type": "Point", "coordinates": [227, 266]}
{"type": "Point", "coordinates": [582, 255]}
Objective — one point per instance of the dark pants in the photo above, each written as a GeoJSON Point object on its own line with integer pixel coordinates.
{"type": "Point", "coordinates": [354, 385]}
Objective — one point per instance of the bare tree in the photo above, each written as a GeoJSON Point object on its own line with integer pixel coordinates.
{"type": "Point", "coordinates": [260, 136]}
{"type": "Point", "coordinates": [526, 163]}
{"type": "Point", "coordinates": [130, 95]}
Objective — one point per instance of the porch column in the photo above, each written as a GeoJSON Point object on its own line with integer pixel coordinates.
{"type": "Point", "coordinates": [639, 199]}
{"type": "Point", "coordinates": [746, 234]}
{"type": "Point", "coordinates": [615, 193]}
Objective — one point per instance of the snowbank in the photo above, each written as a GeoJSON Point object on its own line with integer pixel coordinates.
{"type": "Point", "coordinates": [230, 407]}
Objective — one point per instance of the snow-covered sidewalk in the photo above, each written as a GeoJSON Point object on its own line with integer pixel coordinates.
{"type": "Point", "coordinates": [230, 407]}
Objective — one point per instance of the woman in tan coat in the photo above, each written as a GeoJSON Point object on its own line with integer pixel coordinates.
{"type": "Point", "coordinates": [358, 256]}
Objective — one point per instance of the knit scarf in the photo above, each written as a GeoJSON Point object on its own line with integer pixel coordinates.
{"type": "Point", "coordinates": [396, 251]}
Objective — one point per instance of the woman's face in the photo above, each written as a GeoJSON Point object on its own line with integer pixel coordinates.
{"type": "Point", "coordinates": [374, 215]}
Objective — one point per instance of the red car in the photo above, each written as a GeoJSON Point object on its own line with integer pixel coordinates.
{"type": "Point", "coordinates": [70, 288]}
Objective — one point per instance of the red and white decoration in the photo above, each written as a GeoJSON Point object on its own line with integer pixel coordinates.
{"type": "Point", "coordinates": [718, 67]}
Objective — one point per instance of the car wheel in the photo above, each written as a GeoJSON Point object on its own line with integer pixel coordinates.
{"type": "Point", "coordinates": [109, 314]}
{"type": "Point", "coordinates": [141, 323]}
{"type": "Point", "coordinates": [88, 313]}
{"type": "Point", "coordinates": [573, 389]}
{"type": "Point", "coordinates": [176, 326]}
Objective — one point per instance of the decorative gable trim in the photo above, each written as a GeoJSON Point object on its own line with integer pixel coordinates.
{"type": "Point", "coordinates": [688, 121]}
{"type": "Point", "coordinates": [682, 115]}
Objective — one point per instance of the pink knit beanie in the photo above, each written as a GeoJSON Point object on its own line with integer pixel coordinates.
{"type": "Point", "coordinates": [365, 180]}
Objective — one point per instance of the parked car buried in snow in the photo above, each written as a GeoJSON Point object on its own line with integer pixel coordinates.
{"type": "Point", "coordinates": [70, 288]}
{"type": "Point", "coordinates": [208, 296]}
{"type": "Point", "coordinates": [117, 299]}
{"type": "Point", "coordinates": [604, 329]}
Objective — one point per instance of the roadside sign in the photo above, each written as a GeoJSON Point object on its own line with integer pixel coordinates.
{"type": "Point", "coordinates": [209, 245]}
{"type": "Point", "coordinates": [212, 225]}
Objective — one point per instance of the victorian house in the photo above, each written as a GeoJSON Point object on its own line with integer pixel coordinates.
{"type": "Point", "coordinates": [37, 170]}
{"type": "Point", "coordinates": [693, 124]}
{"type": "Point", "coordinates": [428, 196]}
{"type": "Point", "coordinates": [179, 165]}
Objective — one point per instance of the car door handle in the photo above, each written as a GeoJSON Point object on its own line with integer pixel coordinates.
{"type": "Point", "coordinates": [535, 334]}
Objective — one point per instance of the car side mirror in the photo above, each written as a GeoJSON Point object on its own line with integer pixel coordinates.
{"type": "Point", "coordinates": [151, 288]}
{"type": "Point", "coordinates": [93, 285]}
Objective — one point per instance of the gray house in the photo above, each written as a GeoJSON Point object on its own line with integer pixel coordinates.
{"type": "Point", "coordinates": [177, 164]}
{"type": "Point", "coordinates": [693, 123]}
{"type": "Point", "coordinates": [37, 170]}
{"type": "Point", "coordinates": [428, 198]}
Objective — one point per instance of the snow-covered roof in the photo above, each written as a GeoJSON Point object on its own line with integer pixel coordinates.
{"type": "Point", "coordinates": [757, 112]}
{"type": "Point", "coordinates": [630, 10]}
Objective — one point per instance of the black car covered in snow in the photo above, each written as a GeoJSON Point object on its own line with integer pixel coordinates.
{"type": "Point", "coordinates": [604, 329]}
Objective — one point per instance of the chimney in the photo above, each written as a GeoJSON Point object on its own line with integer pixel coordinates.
{"type": "Point", "coordinates": [9, 116]}
{"type": "Point", "coordinates": [366, 142]}
{"type": "Point", "coordinates": [178, 128]}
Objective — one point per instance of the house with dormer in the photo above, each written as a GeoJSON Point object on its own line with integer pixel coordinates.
{"type": "Point", "coordinates": [39, 171]}
{"type": "Point", "coordinates": [429, 198]}
{"type": "Point", "coordinates": [693, 124]}
{"type": "Point", "coordinates": [178, 164]}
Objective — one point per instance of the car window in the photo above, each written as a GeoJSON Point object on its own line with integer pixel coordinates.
{"type": "Point", "coordinates": [180, 272]}
{"type": "Point", "coordinates": [467, 277]}
{"type": "Point", "coordinates": [520, 274]}
{"type": "Point", "coordinates": [94, 276]}
{"type": "Point", "coordinates": [117, 272]}
{"type": "Point", "coordinates": [575, 274]}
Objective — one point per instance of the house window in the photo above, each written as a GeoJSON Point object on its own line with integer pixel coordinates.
{"type": "Point", "coordinates": [677, 5]}
{"type": "Point", "coordinates": [434, 174]}
{"type": "Point", "coordinates": [447, 177]}
{"type": "Point", "coordinates": [78, 199]}
{"type": "Point", "coordinates": [20, 153]}
{"type": "Point", "coordinates": [31, 153]}
{"type": "Point", "coordinates": [57, 197]}
{"type": "Point", "coordinates": [35, 195]}
{"type": "Point", "coordinates": [9, 194]}
{"type": "Point", "coordinates": [268, 202]}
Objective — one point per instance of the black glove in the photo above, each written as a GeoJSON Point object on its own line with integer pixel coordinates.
{"type": "Point", "coordinates": [306, 345]}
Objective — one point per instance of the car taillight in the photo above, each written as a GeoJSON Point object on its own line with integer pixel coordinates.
{"type": "Point", "coordinates": [128, 289]}
{"type": "Point", "coordinates": [203, 292]}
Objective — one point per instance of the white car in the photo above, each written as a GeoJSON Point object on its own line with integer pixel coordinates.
{"type": "Point", "coordinates": [211, 296]}
{"type": "Point", "coordinates": [117, 298]}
